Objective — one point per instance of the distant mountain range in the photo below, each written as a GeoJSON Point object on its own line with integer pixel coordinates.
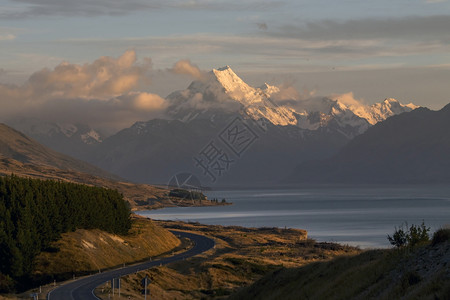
{"type": "Point", "coordinates": [71, 139]}
{"type": "Point", "coordinates": [17, 146]}
{"type": "Point", "coordinates": [408, 148]}
{"type": "Point", "coordinates": [223, 91]}
{"type": "Point", "coordinates": [282, 133]}
{"type": "Point", "coordinates": [23, 156]}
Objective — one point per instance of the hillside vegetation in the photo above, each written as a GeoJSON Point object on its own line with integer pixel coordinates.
{"type": "Point", "coordinates": [420, 272]}
{"type": "Point", "coordinates": [139, 196]}
{"type": "Point", "coordinates": [33, 213]}
{"type": "Point", "coordinates": [84, 251]}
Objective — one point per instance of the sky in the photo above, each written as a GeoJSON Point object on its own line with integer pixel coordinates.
{"type": "Point", "coordinates": [118, 56]}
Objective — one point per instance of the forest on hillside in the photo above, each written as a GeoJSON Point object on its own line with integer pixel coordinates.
{"type": "Point", "coordinates": [33, 213]}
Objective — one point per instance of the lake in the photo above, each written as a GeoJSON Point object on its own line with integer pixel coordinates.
{"type": "Point", "coordinates": [359, 216]}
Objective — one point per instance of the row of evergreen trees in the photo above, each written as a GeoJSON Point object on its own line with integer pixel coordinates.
{"type": "Point", "coordinates": [33, 213]}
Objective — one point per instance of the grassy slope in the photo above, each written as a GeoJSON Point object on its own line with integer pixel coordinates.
{"type": "Point", "coordinates": [241, 256]}
{"type": "Point", "coordinates": [19, 147]}
{"type": "Point", "coordinates": [91, 250]}
{"type": "Point", "coordinates": [420, 273]}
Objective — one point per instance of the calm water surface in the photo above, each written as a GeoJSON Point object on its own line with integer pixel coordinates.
{"type": "Point", "coordinates": [360, 216]}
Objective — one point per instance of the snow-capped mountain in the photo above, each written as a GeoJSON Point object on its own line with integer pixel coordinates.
{"type": "Point", "coordinates": [71, 139]}
{"type": "Point", "coordinates": [81, 132]}
{"type": "Point", "coordinates": [381, 111]}
{"type": "Point", "coordinates": [222, 90]}
{"type": "Point", "coordinates": [152, 151]}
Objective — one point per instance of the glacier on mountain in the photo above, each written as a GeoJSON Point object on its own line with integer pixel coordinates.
{"type": "Point", "coordinates": [223, 91]}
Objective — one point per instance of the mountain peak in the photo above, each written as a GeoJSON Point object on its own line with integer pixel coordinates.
{"type": "Point", "coordinates": [228, 79]}
{"type": "Point", "coordinates": [227, 67]}
{"type": "Point", "coordinates": [223, 89]}
{"type": "Point", "coordinates": [235, 87]}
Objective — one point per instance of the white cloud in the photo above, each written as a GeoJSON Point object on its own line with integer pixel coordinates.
{"type": "Point", "coordinates": [348, 99]}
{"type": "Point", "coordinates": [185, 66]}
{"type": "Point", "coordinates": [143, 102]}
{"type": "Point", "coordinates": [103, 93]}
{"type": "Point", "coordinates": [104, 78]}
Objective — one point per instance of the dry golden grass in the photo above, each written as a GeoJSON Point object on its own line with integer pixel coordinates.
{"type": "Point", "coordinates": [90, 250]}
{"type": "Point", "coordinates": [419, 272]}
{"type": "Point", "coordinates": [241, 256]}
{"type": "Point", "coordinates": [7, 297]}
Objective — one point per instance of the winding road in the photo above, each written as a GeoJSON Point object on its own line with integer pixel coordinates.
{"type": "Point", "coordinates": [83, 289]}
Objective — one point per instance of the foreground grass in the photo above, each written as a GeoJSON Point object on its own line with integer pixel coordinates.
{"type": "Point", "coordinates": [421, 272]}
{"type": "Point", "coordinates": [241, 257]}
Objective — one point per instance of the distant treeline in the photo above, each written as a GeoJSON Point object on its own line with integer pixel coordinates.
{"type": "Point", "coordinates": [33, 213]}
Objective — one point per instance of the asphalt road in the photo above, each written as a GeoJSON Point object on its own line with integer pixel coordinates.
{"type": "Point", "coordinates": [83, 289]}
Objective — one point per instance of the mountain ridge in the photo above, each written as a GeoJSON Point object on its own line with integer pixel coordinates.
{"type": "Point", "coordinates": [223, 89]}
{"type": "Point", "coordinates": [18, 146]}
{"type": "Point", "coordinates": [407, 148]}
{"type": "Point", "coordinates": [287, 132]}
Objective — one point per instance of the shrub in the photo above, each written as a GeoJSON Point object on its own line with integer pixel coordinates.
{"type": "Point", "coordinates": [418, 234]}
{"type": "Point", "coordinates": [398, 239]}
{"type": "Point", "coordinates": [6, 284]}
{"type": "Point", "coordinates": [414, 235]}
{"type": "Point", "coordinates": [441, 236]}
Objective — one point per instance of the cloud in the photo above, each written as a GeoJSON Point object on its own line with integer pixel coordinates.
{"type": "Point", "coordinates": [92, 8]}
{"type": "Point", "coordinates": [143, 102]}
{"type": "Point", "coordinates": [348, 99]}
{"type": "Point", "coordinates": [103, 93]}
{"type": "Point", "coordinates": [290, 96]}
{"type": "Point", "coordinates": [104, 78]}
{"type": "Point", "coordinates": [286, 51]}
{"type": "Point", "coordinates": [89, 8]}
{"type": "Point", "coordinates": [7, 37]}
{"type": "Point", "coordinates": [416, 28]}
{"type": "Point", "coordinates": [435, 1]}
{"type": "Point", "coordinates": [186, 67]}
{"type": "Point", "coordinates": [110, 115]}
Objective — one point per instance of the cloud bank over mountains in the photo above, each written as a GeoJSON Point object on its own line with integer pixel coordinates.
{"type": "Point", "coordinates": [104, 93]}
{"type": "Point", "coordinates": [185, 66]}
{"type": "Point", "coordinates": [110, 94]}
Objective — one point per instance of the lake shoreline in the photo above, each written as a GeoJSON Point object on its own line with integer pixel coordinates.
{"type": "Point", "coordinates": [354, 216]}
